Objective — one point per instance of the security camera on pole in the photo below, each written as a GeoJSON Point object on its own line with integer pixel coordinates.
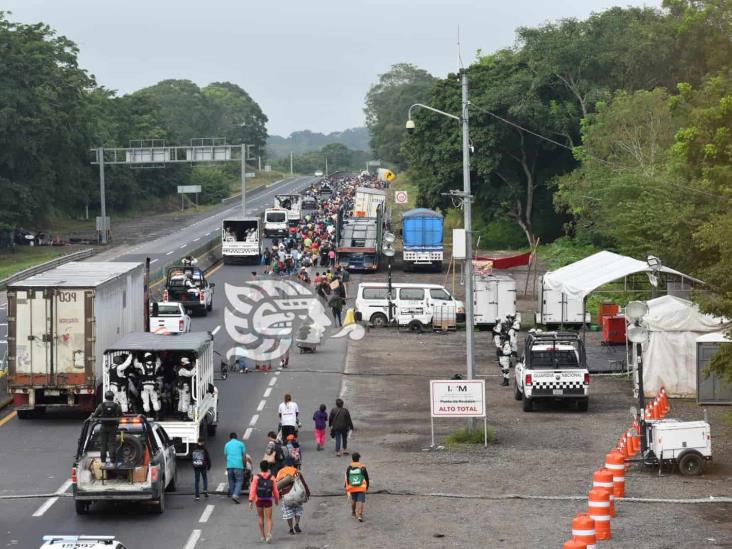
{"type": "Point", "coordinates": [466, 198]}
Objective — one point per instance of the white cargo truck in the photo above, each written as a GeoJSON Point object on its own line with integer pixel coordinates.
{"type": "Point", "coordinates": [241, 241]}
{"type": "Point", "coordinates": [60, 322]}
{"type": "Point", "coordinates": [292, 203]}
{"type": "Point", "coordinates": [494, 296]}
{"type": "Point", "coordinates": [367, 201]}
{"type": "Point", "coordinates": [200, 418]}
{"type": "Point", "coordinates": [555, 308]}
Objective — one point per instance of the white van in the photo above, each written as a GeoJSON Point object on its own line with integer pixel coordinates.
{"type": "Point", "coordinates": [413, 305]}
{"type": "Point", "coordinates": [275, 222]}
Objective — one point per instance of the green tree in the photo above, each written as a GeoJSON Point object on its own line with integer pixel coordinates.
{"type": "Point", "coordinates": [237, 116]}
{"type": "Point", "coordinates": [387, 103]}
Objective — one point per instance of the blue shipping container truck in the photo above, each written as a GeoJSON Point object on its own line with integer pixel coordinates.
{"type": "Point", "coordinates": [422, 235]}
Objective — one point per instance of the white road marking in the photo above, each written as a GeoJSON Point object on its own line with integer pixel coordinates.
{"type": "Point", "coordinates": [247, 433]}
{"type": "Point", "coordinates": [196, 239]}
{"type": "Point", "coordinates": [267, 392]}
{"type": "Point", "coordinates": [216, 329]}
{"type": "Point", "coordinates": [253, 421]}
{"type": "Point", "coordinates": [261, 405]}
{"type": "Point", "coordinates": [170, 252]}
{"type": "Point", "coordinates": [183, 246]}
{"type": "Point", "coordinates": [206, 514]}
{"type": "Point", "coordinates": [272, 381]}
{"type": "Point", "coordinates": [220, 487]}
{"type": "Point", "coordinates": [208, 233]}
{"type": "Point", "coordinates": [153, 261]}
{"type": "Point", "coordinates": [192, 539]}
{"type": "Point", "coordinates": [277, 373]}
{"type": "Point", "coordinates": [50, 501]}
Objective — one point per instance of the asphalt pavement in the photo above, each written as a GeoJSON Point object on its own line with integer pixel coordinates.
{"type": "Point", "coordinates": [37, 455]}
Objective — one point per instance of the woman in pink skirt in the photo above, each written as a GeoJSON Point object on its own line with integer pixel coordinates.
{"type": "Point", "coordinates": [320, 417]}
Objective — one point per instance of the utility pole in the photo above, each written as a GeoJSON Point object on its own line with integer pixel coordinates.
{"type": "Point", "coordinates": [326, 166]}
{"type": "Point", "coordinates": [468, 222]}
{"type": "Point", "coordinates": [102, 193]}
{"type": "Point", "coordinates": [290, 162]}
{"type": "Point", "coordinates": [243, 180]}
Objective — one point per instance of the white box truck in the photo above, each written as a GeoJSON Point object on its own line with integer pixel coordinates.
{"type": "Point", "coordinates": [555, 308]}
{"type": "Point", "coordinates": [241, 240]}
{"type": "Point", "coordinates": [60, 322]}
{"type": "Point", "coordinates": [494, 296]}
{"type": "Point", "coordinates": [292, 203]}
{"type": "Point", "coordinates": [366, 202]}
{"type": "Point", "coordinates": [201, 416]}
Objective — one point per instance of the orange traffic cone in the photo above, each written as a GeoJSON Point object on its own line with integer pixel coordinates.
{"type": "Point", "coordinates": [574, 544]}
{"type": "Point", "coordinates": [664, 400]}
{"type": "Point", "coordinates": [598, 507]}
{"type": "Point", "coordinates": [583, 530]}
{"type": "Point", "coordinates": [603, 479]}
{"type": "Point", "coordinates": [615, 463]}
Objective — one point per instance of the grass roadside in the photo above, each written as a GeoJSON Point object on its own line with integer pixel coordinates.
{"type": "Point", "coordinates": [23, 257]}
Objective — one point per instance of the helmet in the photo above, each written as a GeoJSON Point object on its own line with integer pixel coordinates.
{"type": "Point", "coordinates": [109, 395]}
{"type": "Point", "coordinates": [516, 325]}
{"type": "Point", "coordinates": [119, 359]}
{"type": "Point", "coordinates": [148, 356]}
{"type": "Point", "coordinates": [185, 360]}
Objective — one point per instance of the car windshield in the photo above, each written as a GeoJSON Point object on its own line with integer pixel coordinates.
{"type": "Point", "coordinates": [170, 310]}
{"type": "Point", "coordinates": [441, 295]}
{"type": "Point", "coordinates": [276, 217]}
{"type": "Point", "coordinates": [553, 359]}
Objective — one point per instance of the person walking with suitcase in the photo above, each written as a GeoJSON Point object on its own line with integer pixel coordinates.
{"type": "Point", "coordinates": [263, 493]}
{"type": "Point", "coordinates": [340, 423]}
{"type": "Point", "coordinates": [201, 462]}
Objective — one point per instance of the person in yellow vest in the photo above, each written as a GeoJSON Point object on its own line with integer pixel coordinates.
{"type": "Point", "coordinates": [357, 484]}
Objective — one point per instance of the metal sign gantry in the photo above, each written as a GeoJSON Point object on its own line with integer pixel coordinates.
{"type": "Point", "coordinates": [156, 154]}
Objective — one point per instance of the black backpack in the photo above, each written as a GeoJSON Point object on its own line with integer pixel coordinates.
{"type": "Point", "coordinates": [198, 458]}
{"type": "Point", "coordinates": [264, 487]}
{"type": "Point", "coordinates": [110, 409]}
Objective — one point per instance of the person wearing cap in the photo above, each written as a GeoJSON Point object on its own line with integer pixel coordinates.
{"type": "Point", "coordinates": [183, 383]}
{"type": "Point", "coordinates": [294, 451]}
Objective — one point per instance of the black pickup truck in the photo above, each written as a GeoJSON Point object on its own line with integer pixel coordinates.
{"type": "Point", "coordinates": [188, 285]}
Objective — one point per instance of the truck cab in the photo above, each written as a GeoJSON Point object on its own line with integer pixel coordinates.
{"type": "Point", "coordinates": [275, 222]}
{"type": "Point", "coordinates": [553, 367]}
{"type": "Point", "coordinates": [187, 284]}
{"type": "Point", "coordinates": [143, 467]}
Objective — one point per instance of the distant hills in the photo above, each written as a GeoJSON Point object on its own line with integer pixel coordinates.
{"type": "Point", "coordinates": [305, 141]}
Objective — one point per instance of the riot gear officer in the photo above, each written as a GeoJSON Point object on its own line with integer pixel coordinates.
{"type": "Point", "coordinates": [108, 409]}
{"type": "Point", "coordinates": [505, 362]}
{"type": "Point", "coordinates": [149, 371]}
{"type": "Point", "coordinates": [118, 380]}
{"type": "Point", "coordinates": [183, 383]}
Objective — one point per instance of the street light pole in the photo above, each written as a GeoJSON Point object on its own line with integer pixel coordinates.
{"type": "Point", "coordinates": [243, 180]}
{"type": "Point", "coordinates": [102, 193]}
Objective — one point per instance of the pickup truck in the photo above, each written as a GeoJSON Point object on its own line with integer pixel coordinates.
{"type": "Point", "coordinates": [169, 317]}
{"type": "Point", "coordinates": [187, 284]}
{"type": "Point", "coordinates": [553, 367]}
{"type": "Point", "coordinates": [142, 468]}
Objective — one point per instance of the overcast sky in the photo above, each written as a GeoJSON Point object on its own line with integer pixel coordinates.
{"type": "Point", "coordinates": [307, 64]}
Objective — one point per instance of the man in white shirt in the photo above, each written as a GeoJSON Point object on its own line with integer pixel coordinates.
{"type": "Point", "coordinates": [289, 416]}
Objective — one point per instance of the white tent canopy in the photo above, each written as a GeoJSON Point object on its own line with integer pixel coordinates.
{"type": "Point", "coordinates": [579, 279]}
{"type": "Point", "coordinates": [669, 356]}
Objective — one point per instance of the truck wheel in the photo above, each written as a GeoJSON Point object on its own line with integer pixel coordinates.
{"type": "Point", "coordinates": [159, 506]}
{"type": "Point", "coordinates": [437, 266]}
{"type": "Point", "coordinates": [691, 464]}
{"type": "Point", "coordinates": [517, 395]}
{"type": "Point", "coordinates": [210, 305]}
{"type": "Point", "coordinates": [415, 326]}
{"type": "Point", "coordinates": [225, 260]}
{"type": "Point", "coordinates": [173, 485]}
{"type": "Point", "coordinates": [528, 404]}
{"type": "Point", "coordinates": [26, 414]}
{"type": "Point", "coordinates": [211, 429]}
{"type": "Point", "coordinates": [583, 404]}
{"type": "Point", "coordinates": [379, 320]}
{"type": "Point", "coordinates": [82, 507]}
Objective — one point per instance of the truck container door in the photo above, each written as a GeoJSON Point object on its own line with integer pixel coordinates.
{"type": "Point", "coordinates": [30, 342]}
{"type": "Point", "coordinates": [69, 339]}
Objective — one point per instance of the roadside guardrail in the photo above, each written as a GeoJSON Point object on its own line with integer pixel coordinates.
{"type": "Point", "coordinates": [42, 267]}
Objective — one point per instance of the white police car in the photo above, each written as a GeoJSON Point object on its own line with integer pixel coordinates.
{"type": "Point", "coordinates": [81, 542]}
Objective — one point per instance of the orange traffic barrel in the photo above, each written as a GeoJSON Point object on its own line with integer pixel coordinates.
{"type": "Point", "coordinates": [615, 462]}
{"type": "Point", "coordinates": [598, 507]}
{"type": "Point", "coordinates": [603, 479]}
{"type": "Point", "coordinates": [574, 544]}
{"type": "Point", "coordinates": [583, 529]}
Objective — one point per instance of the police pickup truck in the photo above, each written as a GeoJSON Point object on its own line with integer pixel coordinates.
{"type": "Point", "coordinates": [142, 467]}
{"type": "Point", "coordinates": [187, 285]}
{"type": "Point", "coordinates": [553, 367]}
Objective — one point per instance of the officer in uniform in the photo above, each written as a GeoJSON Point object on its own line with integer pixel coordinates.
{"type": "Point", "coordinates": [505, 362]}
{"type": "Point", "coordinates": [108, 409]}
{"type": "Point", "coordinates": [118, 380]}
{"type": "Point", "coordinates": [513, 339]}
{"type": "Point", "coordinates": [185, 372]}
{"type": "Point", "coordinates": [498, 338]}
{"type": "Point", "coordinates": [149, 372]}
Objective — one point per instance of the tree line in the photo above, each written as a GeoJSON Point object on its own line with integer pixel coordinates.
{"type": "Point", "coordinates": [52, 112]}
{"type": "Point", "coordinates": [629, 141]}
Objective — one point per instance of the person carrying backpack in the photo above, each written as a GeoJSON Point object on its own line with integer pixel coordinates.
{"type": "Point", "coordinates": [357, 484]}
{"type": "Point", "coordinates": [320, 417]}
{"type": "Point", "coordinates": [294, 492]}
{"type": "Point", "coordinates": [293, 451]}
{"type": "Point", "coordinates": [274, 455]}
{"type": "Point", "coordinates": [262, 494]}
{"type": "Point", "coordinates": [201, 462]}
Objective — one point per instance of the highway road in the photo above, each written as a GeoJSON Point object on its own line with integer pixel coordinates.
{"type": "Point", "coordinates": [36, 455]}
